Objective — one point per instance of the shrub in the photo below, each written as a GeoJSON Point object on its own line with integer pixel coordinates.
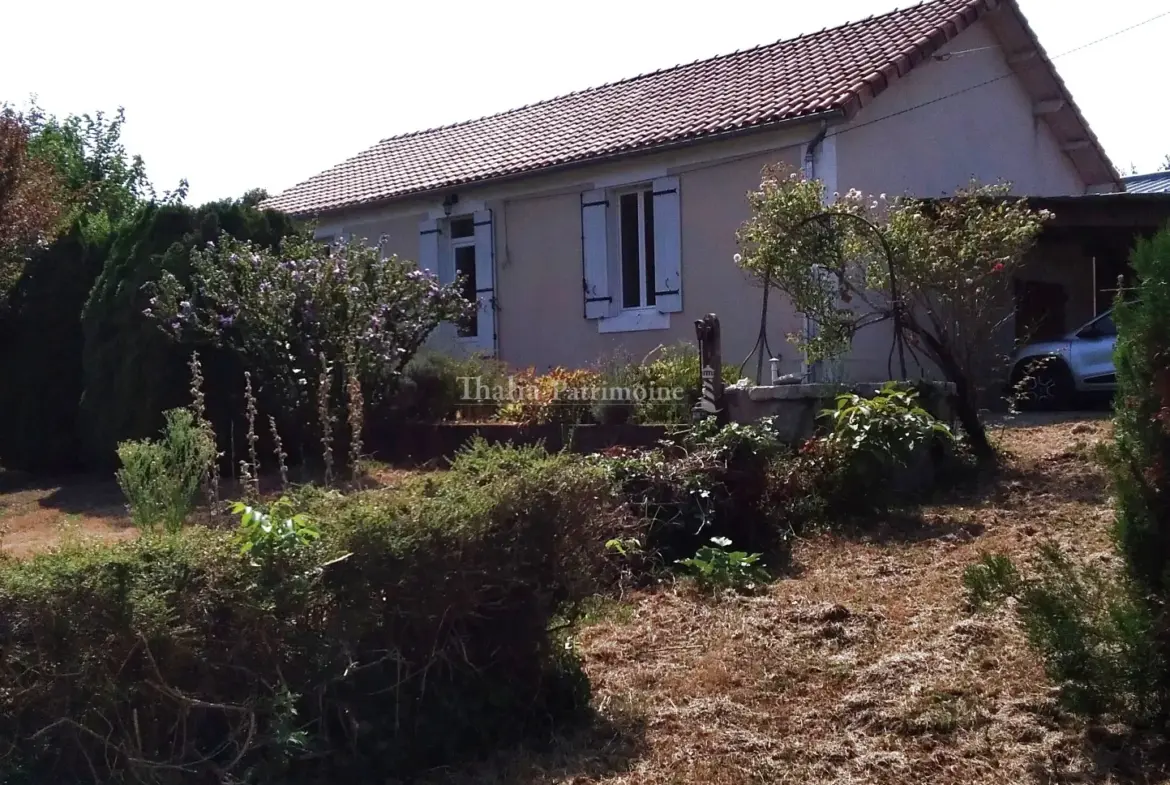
{"type": "Point", "coordinates": [266, 536]}
{"type": "Point", "coordinates": [41, 355]}
{"type": "Point", "coordinates": [876, 437]}
{"type": "Point", "coordinates": [304, 312]}
{"type": "Point", "coordinates": [435, 387]}
{"type": "Point", "coordinates": [131, 372]}
{"type": "Point", "coordinates": [1142, 421]}
{"type": "Point", "coordinates": [161, 479]}
{"type": "Point", "coordinates": [889, 427]}
{"type": "Point", "coordinates": [1092, 630]}
{"type": "Point", "coordinates": [673, 368]}
{"type": "Point", "coordinates": [705, 485]}
{"type": "Point", "coordinates": [558, 396]}
{"type": "Point", "coordinates": [413, 634]}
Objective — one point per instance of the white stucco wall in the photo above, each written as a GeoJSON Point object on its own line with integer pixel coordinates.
{"type": "Point", "coordinates": [988, 132]}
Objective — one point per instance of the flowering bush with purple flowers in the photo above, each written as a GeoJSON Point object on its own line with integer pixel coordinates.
{"type": "Point", "coordinates": [292, 315]}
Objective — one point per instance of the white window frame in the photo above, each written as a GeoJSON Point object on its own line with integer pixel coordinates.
{"type": "Point", "coordinates": [463, 242]}
{"type": "Point", "coordinates": [642, 316]}
{"type": "Point", "coordinates": [643, 290]}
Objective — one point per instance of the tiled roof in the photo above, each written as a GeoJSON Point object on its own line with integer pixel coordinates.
{"type": "Point", "coordinates": [836, 69]}
{"type": "Point", "coordinates": [1156, 183]}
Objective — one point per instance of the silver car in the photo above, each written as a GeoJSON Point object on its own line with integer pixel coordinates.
{"type": "Point", "coordinates": [1049, 374]}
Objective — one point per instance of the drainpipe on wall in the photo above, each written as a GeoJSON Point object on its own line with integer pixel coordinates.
{"type": "Point", "coordinates": [810, 152]}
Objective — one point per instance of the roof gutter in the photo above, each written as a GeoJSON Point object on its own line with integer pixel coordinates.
{"type": "Point", "coordinates": [825, 118]}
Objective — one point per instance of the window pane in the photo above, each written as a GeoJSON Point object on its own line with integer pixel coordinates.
{"type": "Point", "coordinates": [648, 198]}
{"type": "Point", "coordinates": [465, 268]}
{"type": "Point", "coordinates": [631, 274]}
{"type": "Point", "coordinates": [1106, 327]}
{"type": "Point", "coordinates": [462, 227]}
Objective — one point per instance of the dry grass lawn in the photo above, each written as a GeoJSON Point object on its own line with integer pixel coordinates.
{"type": "Point", "coordinates": [863, 666]}
{"type": "Point", "coordinates": [36, 515]}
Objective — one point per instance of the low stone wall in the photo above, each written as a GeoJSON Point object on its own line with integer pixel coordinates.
{"type": "Point", "coordinates": [797, 407]}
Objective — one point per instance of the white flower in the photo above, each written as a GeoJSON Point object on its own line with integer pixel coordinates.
{"type": "Point", "coordinates": [737, 258]}
{"type": "Point", "coordinates": [970, 281]}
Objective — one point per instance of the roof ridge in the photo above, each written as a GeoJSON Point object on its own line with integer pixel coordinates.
{"type": "Point", "coordinates": [677, 66]}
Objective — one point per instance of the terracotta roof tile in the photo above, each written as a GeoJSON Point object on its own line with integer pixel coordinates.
{"type": "Point", "coordinates": [834, 69]}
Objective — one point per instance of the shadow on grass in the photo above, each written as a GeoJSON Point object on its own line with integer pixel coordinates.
{"type": "Point", "coordinates": [909, 527]}
{"type": "Point", "coordinates": [89, 497]}
{"type": "Point", "coordinates": [598, 747]}
{"type": "Point", "coordinates": [1120, 756]}
{"type": "Point", "coordinates": [70, 494]}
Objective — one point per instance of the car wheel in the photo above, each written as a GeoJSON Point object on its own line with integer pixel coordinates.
{"type": "Point", "coordinates": [1042, 384]}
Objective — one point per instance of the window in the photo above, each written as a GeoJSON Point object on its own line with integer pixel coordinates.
{"type": "Point", "coordinates": [463, 257]}
{"type": "Point", "coordinates": [631, 256]}
{"type": "Point", "coordinates": [636, 248]}
{"type": "Point", "coordinates": [1103, 327]}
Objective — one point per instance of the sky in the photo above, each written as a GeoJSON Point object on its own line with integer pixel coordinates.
{"type": "Point", "coordinates": [263, 94]}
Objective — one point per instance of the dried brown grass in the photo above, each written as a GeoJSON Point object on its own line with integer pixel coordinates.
{"type": "Point", "coordinates": [864, 667]}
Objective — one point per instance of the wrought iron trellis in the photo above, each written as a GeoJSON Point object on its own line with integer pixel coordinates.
{"type": "Point", "coordinates": [761, 348]}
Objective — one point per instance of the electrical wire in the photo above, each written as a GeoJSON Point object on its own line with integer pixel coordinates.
{"type": "Point", "coordinates": [999, 78]}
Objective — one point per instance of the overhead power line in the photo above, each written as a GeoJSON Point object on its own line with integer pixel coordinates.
{"type": "Point", "coordinates": [999, 78]}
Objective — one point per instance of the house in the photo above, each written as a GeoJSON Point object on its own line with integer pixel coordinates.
{"type": "Point", "coordinates": [606, 219]}
{"type": "Point", "coordinates": [1155, 183]}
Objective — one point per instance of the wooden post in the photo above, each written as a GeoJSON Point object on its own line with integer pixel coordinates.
{"type": "Point", "coordinates": [710, 402]}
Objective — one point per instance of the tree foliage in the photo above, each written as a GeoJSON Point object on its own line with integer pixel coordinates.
{"type": "Point", "coordinates": [32, 199]}
{"type": "Point", "coordinates": [101, 187]}
{"type": "Point", "coordinates": [106, 183]}
{"type": "Point", "coordinates": [950, 262]}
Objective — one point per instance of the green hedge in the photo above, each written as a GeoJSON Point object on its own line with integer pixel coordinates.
{"type": "Point", "coordinates": [414, 635]}
{"type": "Point", "coordinates": [1142, 477]}
{"type": "Point", "coordinates": [41, 355]}
{"type": "Point", "coordinates": [132, 371]}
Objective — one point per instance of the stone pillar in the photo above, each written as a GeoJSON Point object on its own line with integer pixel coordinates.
{"type": "Point", "coordinates": [710, 402]}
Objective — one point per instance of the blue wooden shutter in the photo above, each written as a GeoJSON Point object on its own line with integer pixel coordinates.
{"type": "Point", "coordinates": [595, 254]}
{"type": "Point", "coordinates": [485, 287]}
{"type": "Point", "coordinates": [667, 246]}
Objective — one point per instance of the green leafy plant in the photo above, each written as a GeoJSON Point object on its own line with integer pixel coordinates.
{"type": "Point", "coordinates": [263, 535]}
{"type": "Point", "coordinates": [761, 439]}
{"type": "Point", "coordinates": [890, 426]}
{"type": "Point", "coordinates": [161, 479]}
{"type": "Point", "coordinates": [716, 567]}
{"type": "Point", "coordinates": [628, 546]}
